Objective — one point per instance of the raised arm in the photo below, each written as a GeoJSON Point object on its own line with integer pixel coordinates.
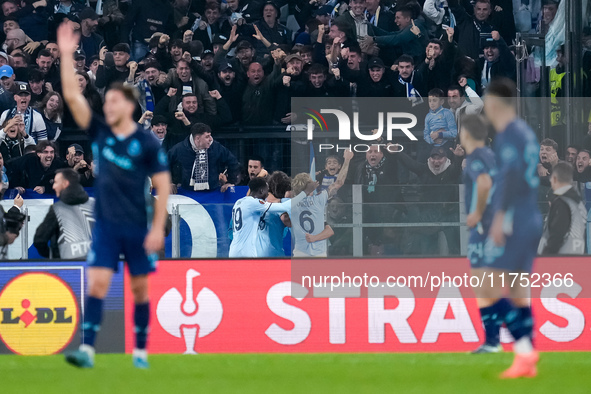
{"type": "Point", "coordinates": [67, 41]}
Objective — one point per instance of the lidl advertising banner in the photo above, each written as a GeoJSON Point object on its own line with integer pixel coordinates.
{"type": "Point", "coordinates": [233, 306]}
{"type": "Point", "coordinates": [41, 308]}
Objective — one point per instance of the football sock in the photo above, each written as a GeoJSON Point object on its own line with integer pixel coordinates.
{"type": "Point", "coordinates": [520, 323]}
{"type": "Point", "coordinates": [141, 319]}
{"type": "Point", "coordinates": [92, 320]}
{"type": "Point", "coordinates": [492, 319]}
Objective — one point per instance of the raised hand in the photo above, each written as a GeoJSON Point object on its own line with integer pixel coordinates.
{"type": "Point", "coordinates": [414, 29]}
{"type": "Point", "coordinates": [67, 39]}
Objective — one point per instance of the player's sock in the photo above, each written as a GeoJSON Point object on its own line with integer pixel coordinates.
{"type": "Point", "coordinates": [492, 319]}
{"type": "Point", "coordinates": [92, 320]}
{"type": "Point", "coordinates": [141, 320]}
{"type": "Point", "coordinates": [520, 323]}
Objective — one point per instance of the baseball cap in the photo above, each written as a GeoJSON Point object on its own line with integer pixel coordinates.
{"type": "Point", "coordinates": [225, 66]}
{"type": "Point", "coordinates": [438, 151]}
{"type": "Point", "coordinates": [4, 55]}
{"type": "Point", "coordinates": [207, 52]}
{"type": "Point", "coordinates": [6, 71]}
{"type": "Point", "coordinates": [376, 62]}
{"type": "Point", "coordinates": [87, 13]}
{"type": "Point", "coordinates": [490, 43]}
{"type": "Point", "coordinates": [79, 54]}
{"type": "Point", "coordinates": [293, 56]}
{"type": "Point", "coordinates": [24, 88]}
{"type": "Point", "coordinates": [219, 39]}
{"type": "Point", "coordinates": [243, 45]}
{"type": "Point", "coordinates": [270, 2]}
{"type": "Point", "coordinates": [77, 148]}
{"type": "Point", "coordinates": [122, 47]}
{"type": "Point", "coordinates": [159, 119]}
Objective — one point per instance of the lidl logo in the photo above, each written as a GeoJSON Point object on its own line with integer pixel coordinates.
{"type": "Point", "coordinates": [38, 314]}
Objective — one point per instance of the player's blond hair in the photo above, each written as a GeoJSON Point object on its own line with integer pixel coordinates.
{"type": "Point", "coordinates": [299, 182]}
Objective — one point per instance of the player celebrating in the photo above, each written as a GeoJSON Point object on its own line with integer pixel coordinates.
{"type": "Point", "coordinates": [272, 225]}
{"type": "Point", "coordinates": [480, 167]}
{"type": "Point", "coordinates": [246, 216]}
{"type": "Point", "coordinates": [517, 224]}
{"type": "Point", "coordinates": [126, 155]}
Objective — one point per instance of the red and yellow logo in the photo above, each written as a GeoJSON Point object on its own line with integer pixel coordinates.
{"type": "Point", "coordinates": [38, 314]}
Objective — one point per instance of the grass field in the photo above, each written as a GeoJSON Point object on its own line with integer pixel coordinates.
{"type": "Point", "coordinates": [296, 373]}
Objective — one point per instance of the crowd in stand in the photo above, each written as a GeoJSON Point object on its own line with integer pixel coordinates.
{"type": "Point", "coordinates": [203, 65]}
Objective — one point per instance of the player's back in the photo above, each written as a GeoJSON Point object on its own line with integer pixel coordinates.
{"type": "Point", "coordinates": [517, 181]}
{"type": "Point", "coordinates": [270, 235]}
{"type": "Point", "coordinates": [308, 217]}
{"type": "Point", "coordinates": [480, 161]}
{"type": "Point", "coordinates": [245, 222]}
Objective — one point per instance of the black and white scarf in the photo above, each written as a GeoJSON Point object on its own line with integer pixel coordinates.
{"type": "Point", "coordinates": [27, 118]}
{"type": "Point", "coordinates": [200, 172]}
{"type": "Point", "coordinates": [372, 174]}
{"type": "Point", "coordinates": [413, 95]}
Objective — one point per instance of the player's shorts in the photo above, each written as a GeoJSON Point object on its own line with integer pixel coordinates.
{"type": "Point", "coordinates": [110, 241]}
{"type": "Point", "coordinates": [299, 253]}
{"type": "Point", "coordinates": [517, 255]}
{"type": "Point", "coordinates": [476, 249]}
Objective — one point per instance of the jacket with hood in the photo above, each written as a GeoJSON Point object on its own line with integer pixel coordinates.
{"type": "Point", "coordinates": [50, 235]}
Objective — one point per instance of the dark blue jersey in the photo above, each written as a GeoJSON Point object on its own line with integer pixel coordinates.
{"type": "Point", "coordinates": [480, 161]}
{"type": "Point", "coordinates": [517, 155]}
{"type": "Point", "coordinates": [123, 167]}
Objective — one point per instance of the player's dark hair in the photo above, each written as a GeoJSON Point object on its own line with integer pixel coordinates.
{"type": "Point", "coordinates": [305, 49]}
{"type": "Point", "coordinates": [333, 156]}
{"type": "Point", "coordinates": [36, 75]}
{"type": "Point", "coordinates": [475, 126]}
{"type": "Point", "coordinates": [458, 88]}
{"type": "Point", "coordinates": [406, 11]}
{"type": "Point", "coordinates": [130, 93]}
{"type": "Point", "coordinates": [152, 64]}
{"type": "Point", "coordinates": [405, 59]}
{"type": "Point", "coordinates": [11, 17]}
{"type": "Point", "coordinates": [436, 92]}
{"type": "Point", "coordinates": [279, 184]}
{"type": "Point", "coordinates": [40, 147]}
{"type": "Point", "coordinates": [257, 158]}
{"type": "Point", "coordinates": [563, 172]}
{"type": "Point", "coordinates": [549, 142]}
{"type": "Point", "coordinates": [317, 68]}
{"type": "Point", "coordinates": [504, 89]}
{"type": "Point", "coordinates": [576, 147]}
{"type": "Point", "coordinates": [437, 42]}
{"type": "Point", "coordinates": [188, 95]}
{"type": "Point", "coordinates": [199, 129]}
{"type": "Point", "coordinates": [69, 175]}
{"type": "Point", "coordinates": [43, 52]}
{"type": "Point", "coordinates": [257, 185]}
{"type": "Point", "coordinates": [355, 48]}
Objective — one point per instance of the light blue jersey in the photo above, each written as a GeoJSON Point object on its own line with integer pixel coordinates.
{"type": "Point", "coordinates": [246, 217]}
{"type": "Point", "coordinates": [271, 233]}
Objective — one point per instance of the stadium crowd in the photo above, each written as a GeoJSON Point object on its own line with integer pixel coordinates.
{"type": "Point", "coordinates": [202, 66]}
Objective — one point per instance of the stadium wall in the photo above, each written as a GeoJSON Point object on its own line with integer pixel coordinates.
{"type": "Point", "coordinates": [236, 306]}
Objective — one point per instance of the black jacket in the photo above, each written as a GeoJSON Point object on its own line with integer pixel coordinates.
{"type": "Point", "coordinates": [48, 231]}
{"type": "Point", "coordinates": [182, 158]}
{"type": "Point", "coordinates": [147, 17]}
{"type": "Point", "coordinates": [27, 172]}
{"type": "Point", "coordinates": [468, 30]}
{"type": "Point", "coordinates": [559, 219]}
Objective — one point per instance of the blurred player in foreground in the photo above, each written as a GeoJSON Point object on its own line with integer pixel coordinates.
{"type": "Point", "coordinates": [517, 223]}
{"type": "Point", "coordinates": [126, 155]}
{"type": "Point", "coordinates": [247, 213]}
{"type": "Point", "coordinates": [478, 173]}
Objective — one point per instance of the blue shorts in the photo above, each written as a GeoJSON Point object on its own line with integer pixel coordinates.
{"type": "Point", "coordinates": [111, 240]}
{"type": "Point", "coordinates": [476, 249]}
{"type": "Point", "coordinates": [517, 255]}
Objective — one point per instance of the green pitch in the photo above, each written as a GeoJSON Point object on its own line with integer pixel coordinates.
{"type": "Point", "coordinates": [297, 373]}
